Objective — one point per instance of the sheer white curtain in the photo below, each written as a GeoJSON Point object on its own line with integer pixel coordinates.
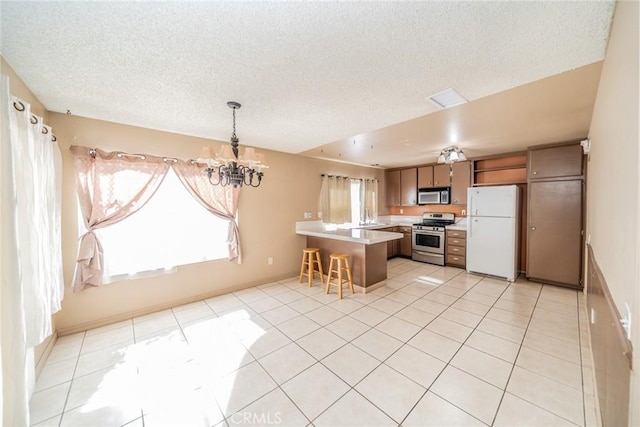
{"type": "Point", "coordinates": [31, 286]}
{"type": "Point", "coordinates": [368, 200]}
{"type": "Point", "coordinates": [335, 199]}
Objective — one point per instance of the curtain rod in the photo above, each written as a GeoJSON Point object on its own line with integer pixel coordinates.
{"type": "Point", "coordinates": [93, 151]}
{"type": "Point", "coordinates": [18, 105]}
{"type": "Point", "coordinates": [347, 177]}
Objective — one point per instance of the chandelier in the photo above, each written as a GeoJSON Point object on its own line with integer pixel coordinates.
{"type": "Point", "coordinates": [451, 155]}
{"type": "Point", "coordinates": [227, 168]}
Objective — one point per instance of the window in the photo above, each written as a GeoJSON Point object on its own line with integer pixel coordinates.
{"type": "Point", "coordinates": [347, 202]}
{"type": "Point", "coordinates": [172, 229]}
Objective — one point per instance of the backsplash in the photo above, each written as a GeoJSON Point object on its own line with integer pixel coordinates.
{"type": "Point", "coordinates": [419, 210]}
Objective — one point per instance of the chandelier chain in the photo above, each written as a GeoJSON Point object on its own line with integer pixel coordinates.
{"type": "Point", "coordinates": [233, 135]}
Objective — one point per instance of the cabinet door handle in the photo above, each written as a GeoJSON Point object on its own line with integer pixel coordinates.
{"type": "Point", "coordinates": [533, 228]}
{"type": "Point", "coordinates": [535, 172]}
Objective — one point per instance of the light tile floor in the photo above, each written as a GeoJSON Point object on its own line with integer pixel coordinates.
{"type": "Point", "coordinates": [436, 346]}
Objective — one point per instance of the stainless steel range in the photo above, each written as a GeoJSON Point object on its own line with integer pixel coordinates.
{"type": "Point", "coordinates": [428, 237]}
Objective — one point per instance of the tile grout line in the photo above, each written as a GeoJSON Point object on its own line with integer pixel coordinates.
{"type": "Point", "coordinates": [73, 377]}
{"type": "Point", "coordinates": [515, 360]}
{"type": "Point", "coordinates": [348, 314]}
{"type": "Point", "coordinates": [350, 342]}
{"type": "Point", "coordinates": [406, 343]}
{"type": "Point", "coordinates": [514, 365]}
{"type": "Point", "coordinates": [448, 363]}
{"type": "Point", "coordinates": [584, 404]}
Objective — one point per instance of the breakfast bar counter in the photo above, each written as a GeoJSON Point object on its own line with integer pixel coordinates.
{"type": "Point", "coordinates": [367, 249]}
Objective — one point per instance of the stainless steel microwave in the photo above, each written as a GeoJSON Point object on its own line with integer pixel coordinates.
{"type": "Point", "coordinates": [434, 196]}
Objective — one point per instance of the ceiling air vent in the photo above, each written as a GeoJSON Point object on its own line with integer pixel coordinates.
{"type": "Point", "coordinates": [447, 98]}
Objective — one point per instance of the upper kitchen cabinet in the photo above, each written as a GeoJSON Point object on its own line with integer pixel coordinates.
{"type": "Point", "coordinates": [409, 187]}
{"type": "Point", "coordinates": [460, 181]}
{"type": "Point", "coordinates": [402, 187]}
{"type": "Point", "coordinates": [441, 176]}
{"type": "Point", "coordinates": [434, 176]}
{"type": "Point", "coordinates": [425, 177]}
{"type": "Point", "coordinates": [558, 161]}
{"type": "Point", "coordinates": [392, 187]}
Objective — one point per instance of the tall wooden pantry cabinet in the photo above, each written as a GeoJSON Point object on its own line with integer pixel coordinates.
{"type": "Point", "coordinates": [555, 214]}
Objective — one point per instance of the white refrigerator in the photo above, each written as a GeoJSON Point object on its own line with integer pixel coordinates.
{"type": "Point", "coordinates": [492, 230]}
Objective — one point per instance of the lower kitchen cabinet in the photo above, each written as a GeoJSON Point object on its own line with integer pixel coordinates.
{"type": "Point", "coordinates": [393, 246]}
{"type": "Point", "coordinates": [400, 247]}
{"type": "Point", "coordinates": [456, 248]}
{"type": "Point", "coordinates": [405, 243]}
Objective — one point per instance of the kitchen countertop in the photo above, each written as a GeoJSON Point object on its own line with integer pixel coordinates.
{"type": "Point", "coordinates": [460, 225]}
{"type": "Point", "coordinates": [366, 235]}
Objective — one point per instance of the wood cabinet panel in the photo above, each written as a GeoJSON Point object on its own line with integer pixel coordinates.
{"type": "Point", "coordinates": [405, 243]}
{"type": "Point", "coordinates": [456, 248]}
{"type": "Point", "coordinates": [456, 233]}
{"type": "Point", "coordinates": [501, 177]}
{"type": "Point", "coordinates": [441, 176]}
{"type": "Point", "coordinates": [457, 261]}
{"type": "Point", "coordinates": [425, 177]}
{"type": "Point", "coordinates": [455, 241]}
{"type": "Point", "coordinates": [612, 350]}
{"type": "Point", "coordinates": [555, 162]}
{"type": "Point", "coordinates": [392, 245]}
{"type": "Point", "coordinates": [392, 188]}
{"type": "Point", "coordinates": [502, 162]}
{"type": "Point", "coordinates": [409, 187]}
{"type": "Point", "coordinates": [555, 232]}
{"type": "Point", "coordinates": [460, 181]}
{"type": "Point", "coordinates": [500, 170]}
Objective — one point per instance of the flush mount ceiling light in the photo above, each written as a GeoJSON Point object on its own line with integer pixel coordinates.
{"type": "Point", "coordinates": [451, 155]}
{"type": "Point", "coordinates": [447, 98]}
{"type": "Point", "coordinates": [228, 167]}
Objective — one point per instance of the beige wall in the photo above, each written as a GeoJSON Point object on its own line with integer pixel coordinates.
{"type": "Point", "coordinates": [267, 217]}
{"type": "Point", "coordinates": [613, 175]}
{"type": "Point", "coordinates": [19, 89]}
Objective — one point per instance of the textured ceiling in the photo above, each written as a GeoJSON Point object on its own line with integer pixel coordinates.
{"type": "Point", "coordinates": [307, 73]}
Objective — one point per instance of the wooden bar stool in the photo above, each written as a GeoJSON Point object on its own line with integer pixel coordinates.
{"type": "Point", "coordinates": [339, 259]}
{"type": "Point", "coordinates": [311, 260]}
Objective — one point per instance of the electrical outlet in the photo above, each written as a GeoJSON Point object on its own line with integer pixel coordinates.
{"type": "Point", "coordinates": [319, 214]}
{"type": "Point", "coordinates": [307, 215]}
{"type": "Point", "coordinates": [401, 211]}
{"type": "Point", "coordinates": [463, 212]}
{"type": "Point", "coordinates": [270, 260]}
